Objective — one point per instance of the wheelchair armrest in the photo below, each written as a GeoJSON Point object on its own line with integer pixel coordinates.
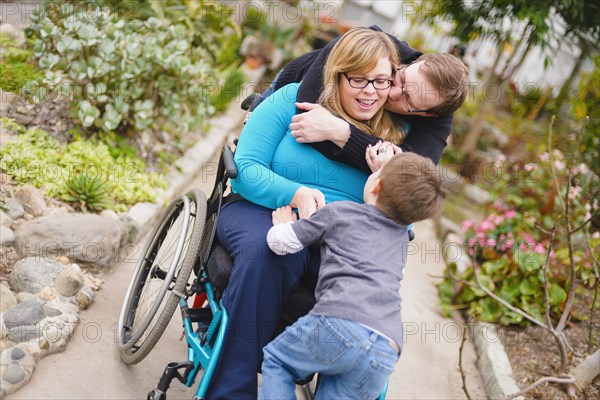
{"type": "Point", "coordinates": [230, 167]}
{"type": "Point", "coordinates": [250, 102]}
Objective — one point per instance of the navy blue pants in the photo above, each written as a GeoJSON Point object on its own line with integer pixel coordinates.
{"type": "Point", "coordinates": [259, 285]}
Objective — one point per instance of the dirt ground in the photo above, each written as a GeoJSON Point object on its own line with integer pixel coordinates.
{"type": "Point", "coordinates": [533, 354]}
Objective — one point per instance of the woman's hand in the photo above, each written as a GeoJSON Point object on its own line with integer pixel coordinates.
{"type": "Point", "coordinates": [307, 201]}
{"type": "Point", "coordinates": [377, 156]}
{"type": "Point", "coordinates": [284, 215]}
{"type": "Point", "coordinates": [318, 125]}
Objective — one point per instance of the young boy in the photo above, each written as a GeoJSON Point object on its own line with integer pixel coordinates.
{"type": "Point", "coordinates": [353, 335]}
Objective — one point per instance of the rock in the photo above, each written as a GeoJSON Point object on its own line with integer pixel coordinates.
{"type": "Point", "coordinates": [110, 214]}
{"type": "Point", "coordinates": [51, 311]}
{"type": "Point", "coordinates": [13, 374]}
{"type": "Point", "coordinates": [89, 240]}
{"type": "Point", "coordinates": [64, 260]}
{"type": "Point", "coordinates": [5, 220]}
{"type": "Point", "coordinates": [7, 236]}
{"type": "Point", "coordinates": [455, 252]}
{"type": "Point", "coordinates": [85, 297]}
{"type": "Point", "coordinates": [32, 200]}
{"type": "Point", "coordinates": [57, 211]}
{"type": "Point", "coordinates": [476, 194]}
{"type": "Point", "coordinates": [23, 297]}
{"type": "Point", "coordinates": [14, 209]}
{"type": "Point", "coordinates": [44, 345]}
{"type": "Point", "coordinates": [32, 274]}
{"type": "Point", "coordinates": [139, 216]}
{"type": "Point", "coordinates": [17, 353]}
{"type": "Point", "coordinates": [7, 298]}
{"type": "Point", "coordinates": [68, 282]}
{"type": "Point", "coordinates": [48, 293]}
{"type": "Point", "coordinates": [23, 314]}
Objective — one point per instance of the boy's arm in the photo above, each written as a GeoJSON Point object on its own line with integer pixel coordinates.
{"type": "Point", "coordinates": [289, 237]}
{"type": "Point", "coordinates": [282, 240]}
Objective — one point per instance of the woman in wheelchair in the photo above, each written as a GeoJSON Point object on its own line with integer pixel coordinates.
{"type": "Point", "coordinates": [275, 170]}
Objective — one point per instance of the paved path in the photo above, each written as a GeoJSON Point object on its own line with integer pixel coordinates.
{"type": "Point", "coordinates": [90, 366]}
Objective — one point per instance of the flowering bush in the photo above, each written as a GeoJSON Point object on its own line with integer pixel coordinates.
{"type": "Point", "coordinates": [512, 244]}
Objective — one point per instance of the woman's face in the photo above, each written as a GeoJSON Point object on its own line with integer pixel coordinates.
{"type": "Point", "coordinates": [363, 104]}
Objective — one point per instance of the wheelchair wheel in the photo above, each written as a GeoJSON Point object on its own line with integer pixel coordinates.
{"type": "Point", "coordinates": [161, 276]}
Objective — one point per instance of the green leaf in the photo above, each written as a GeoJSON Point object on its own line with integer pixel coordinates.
{"type": "Point", "coordinates": [490, 310]}
{"type": "Point", "coordinates": [557, 294]}
{"type": "Point", "coordinates": [529, 287]}
{"type": "Point", "coordinates": [493, 266]}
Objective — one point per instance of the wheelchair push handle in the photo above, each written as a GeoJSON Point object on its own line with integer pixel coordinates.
{"type": "Point", "coordinates": [230, 167]}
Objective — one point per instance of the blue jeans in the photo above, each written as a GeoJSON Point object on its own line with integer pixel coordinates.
{"type": "Point", "coordinates": [353, 362]}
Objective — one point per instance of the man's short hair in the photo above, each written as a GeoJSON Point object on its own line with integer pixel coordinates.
{"type": "Point", "coordinates": [411, 189]}
{"type": "Point", "coordinates": [449, 77]}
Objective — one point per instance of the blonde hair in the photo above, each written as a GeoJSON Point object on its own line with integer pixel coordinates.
{"type": "Point", "coordinates": [359, 51]}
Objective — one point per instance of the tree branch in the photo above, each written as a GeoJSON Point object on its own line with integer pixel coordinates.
{"type": "Point", "coordinates": [564, 379]}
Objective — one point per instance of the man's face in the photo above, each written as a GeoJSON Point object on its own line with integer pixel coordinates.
{"type": "Point", "coordinates": [412, 94]}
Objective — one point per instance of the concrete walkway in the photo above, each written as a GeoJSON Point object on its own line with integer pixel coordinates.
{"type": "Point", "coordinates": [90, 366]}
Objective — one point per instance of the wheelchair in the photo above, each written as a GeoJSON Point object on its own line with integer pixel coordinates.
{"type": "Point", "coordinates": [182, 242]}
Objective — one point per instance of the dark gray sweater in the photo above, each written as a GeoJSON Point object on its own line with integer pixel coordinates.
{"type": "Point", "coordinates": [363, 254]}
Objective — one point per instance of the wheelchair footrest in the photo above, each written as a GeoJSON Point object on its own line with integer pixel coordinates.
{"type": "Point", "coordinates": [172, 372]}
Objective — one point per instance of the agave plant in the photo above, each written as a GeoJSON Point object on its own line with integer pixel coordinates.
{"type": "Point", "coordinates": [87, 193]}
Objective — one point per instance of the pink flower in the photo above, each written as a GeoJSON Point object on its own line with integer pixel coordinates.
{"type": "Point", "coordinates": [528, 238]}
{"type": "Point", "coordinates": [466, 225]}
{"type": "Point", "coordinates": [559, 164]}
{"type": "Point", "coordinates": [498, 219]}
{"type": "Point", "coordinates": [486, 225]}
{"type": "Point", "coordinates": [490, 243]}
{"type": "Point", "coordinates": [510, 214]}
{"type": "Point", "coordinates": [544, 156]}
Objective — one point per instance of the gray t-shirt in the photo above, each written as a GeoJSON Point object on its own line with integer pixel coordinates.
{"type": "Point", "coordinates": [363, 254]}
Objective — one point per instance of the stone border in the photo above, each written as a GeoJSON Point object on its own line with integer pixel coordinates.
{"type": "Point", "coordinates": [492, 360]}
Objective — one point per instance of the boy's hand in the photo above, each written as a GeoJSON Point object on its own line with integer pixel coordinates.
{"type": "Point", "coordinates": [377, 156]}
{"type": "Point", "coordinates": [283, 215]}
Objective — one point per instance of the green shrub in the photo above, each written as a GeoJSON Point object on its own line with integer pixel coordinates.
{"type": "Point", "coordinates": [512, 243]}
{"type": "Point", "coordinates": [78, 171]}
{"type": "Point", "coordinates": [234, 82]}
{"type": "Point", "coordinates": [121, 73]}
{"type": "Point", "coordinates": [15, 76]}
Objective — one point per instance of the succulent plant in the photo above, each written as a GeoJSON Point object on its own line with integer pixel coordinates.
{"type": "Point", "coordinates": [133, 72]}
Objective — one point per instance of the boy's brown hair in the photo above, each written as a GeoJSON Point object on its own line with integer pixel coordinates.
{"type": "Point", "coordinates": [411, 189]}
{"type": "Point", "coordinates": [449, 77]}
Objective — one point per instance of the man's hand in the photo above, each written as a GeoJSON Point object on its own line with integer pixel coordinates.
{"type": "Point", "coordinates": [318, 125]}
{"type": "Point", "coordinates": [284, 215]}
{"type": "Point", "coordinates": [377, 156]}
{"type": "Point", "coordinates": [307, 201]}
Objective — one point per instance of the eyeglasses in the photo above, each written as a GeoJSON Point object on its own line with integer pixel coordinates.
{"type": "Point", "coordinates": [405, 96]}
{"type": "Point", "coordinates": [361, 83]}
